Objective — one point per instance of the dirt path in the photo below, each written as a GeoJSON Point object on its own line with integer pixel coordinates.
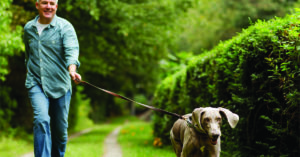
{"type": "Point", "coordinates": [31, 154]}
{"type": "Point", "coordinates": [111, 145]}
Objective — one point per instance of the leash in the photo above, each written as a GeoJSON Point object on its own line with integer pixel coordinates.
{"type": "Point", "coordinates": [130, 100]}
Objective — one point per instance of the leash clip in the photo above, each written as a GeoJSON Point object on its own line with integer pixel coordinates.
{"type": "Point", "coordinates": [188, 122]}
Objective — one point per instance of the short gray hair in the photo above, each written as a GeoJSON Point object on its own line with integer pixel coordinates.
{"type": "Point", "coordinates": [39, 0]}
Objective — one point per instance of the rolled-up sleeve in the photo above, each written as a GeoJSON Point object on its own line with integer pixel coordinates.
{"type": "Point", "coordinates": [71, 46]}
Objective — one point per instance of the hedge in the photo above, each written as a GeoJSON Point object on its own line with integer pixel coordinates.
{"type": "Point", "coordinates": [256, 75]}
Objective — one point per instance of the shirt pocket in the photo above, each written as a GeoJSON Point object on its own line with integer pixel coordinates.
{"type": "Point", "coordinates": [54, 43]}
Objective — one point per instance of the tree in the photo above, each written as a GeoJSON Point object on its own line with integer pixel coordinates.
{"type": "Point", "coordinates": [122, 43]}
{"type": "Point", "coordinates": [10, 45]}
{"type": "Point", "coordinates": [210, 22]}
{"type": "Point", "coordinates": [10, 38]}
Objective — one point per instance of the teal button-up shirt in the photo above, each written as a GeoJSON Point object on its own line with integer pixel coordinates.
{"type": "Point", "coordinates": [49, 55]}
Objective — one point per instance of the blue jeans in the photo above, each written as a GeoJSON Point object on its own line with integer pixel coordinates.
{"type": "Point", "coordinates": [49, 113]}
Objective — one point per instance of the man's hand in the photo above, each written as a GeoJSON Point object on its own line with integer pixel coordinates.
{"type": "Point", "coordinates": [74, 75]}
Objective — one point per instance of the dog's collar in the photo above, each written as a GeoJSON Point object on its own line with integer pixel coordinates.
{"type": "Point", "coordinates": [191, 125]}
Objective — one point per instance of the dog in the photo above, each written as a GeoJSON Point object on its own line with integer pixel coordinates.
{"type": "Point", "coordinates": [201, 137]}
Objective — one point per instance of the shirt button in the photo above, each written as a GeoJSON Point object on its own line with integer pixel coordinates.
{"type": "Point", "coordinates": [41, 60]}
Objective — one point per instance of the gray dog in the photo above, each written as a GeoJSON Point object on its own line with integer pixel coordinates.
{"type": "Point", "coordinates": [202, 137]}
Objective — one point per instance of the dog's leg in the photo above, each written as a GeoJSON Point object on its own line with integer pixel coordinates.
{"type": "Point", "coordinates": [176, 145]}
{"type": "Point", "coordinates": [185, 151]}
{"type": "Point", "coordinates": [188, 146]}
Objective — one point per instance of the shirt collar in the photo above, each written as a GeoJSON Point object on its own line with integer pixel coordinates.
{"type": "Point", "coordinates": [52, 23]}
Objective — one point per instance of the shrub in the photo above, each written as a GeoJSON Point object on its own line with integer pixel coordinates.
{"type": "Point", "coordinates": [256, 75]}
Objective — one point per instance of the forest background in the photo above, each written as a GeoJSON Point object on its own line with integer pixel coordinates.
{"type": "Point", "coordinates": [127, 46]}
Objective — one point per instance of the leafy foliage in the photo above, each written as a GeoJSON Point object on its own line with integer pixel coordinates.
{"type": "Point", "coordinates": [122, 44]}
{"type": "Point", "coordinates": [10, 45]}
{"type": "Point", "coordinates": [255, 74]}
{"type": "Point", "coordinates": [10, 39]}
{"type": "Point", "coordinates": [125, 46]}
{"type": "Point", "coordinates": [210, 22]}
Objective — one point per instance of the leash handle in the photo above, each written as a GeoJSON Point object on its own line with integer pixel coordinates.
{"type": "Point", "coordinates": [130, 100]}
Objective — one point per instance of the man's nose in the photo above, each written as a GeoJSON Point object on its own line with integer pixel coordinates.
{"type": "Point", "coordinates": [48, 5]}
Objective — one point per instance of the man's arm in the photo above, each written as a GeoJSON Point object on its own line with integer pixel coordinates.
{"type": "Point", "coordinates": [71, 48]}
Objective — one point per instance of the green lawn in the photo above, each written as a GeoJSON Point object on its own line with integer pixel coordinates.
{"type": "Point", "coordinates": [136, 140]}
{"type": "Point", "coordinates": [15, 147]}
{"type": "Point", "coordinates": [89, 144]}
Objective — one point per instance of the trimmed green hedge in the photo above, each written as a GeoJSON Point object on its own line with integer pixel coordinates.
{"type": "Point", "coordinates": [256, 75]}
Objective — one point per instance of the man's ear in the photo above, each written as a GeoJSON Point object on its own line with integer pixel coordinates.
{"type": "Point", "coordinates": [37, 5]}
{"type": "Point", "coordinates": [232, 118]}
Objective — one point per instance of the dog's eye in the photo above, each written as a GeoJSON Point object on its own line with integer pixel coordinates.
{"type": "Point", "coordinates": [219, 119]}
{"type": "Point", "coordinates": [207, 120]}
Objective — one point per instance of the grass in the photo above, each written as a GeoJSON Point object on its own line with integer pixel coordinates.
{"type": "Point", "coordinates": [89, 144]}
{"type": "Point", "coordinates": [136, 140]}
{"type": "Point", "coordinates": [14, 147]}
{"type": "Point", "coordinates": [86, 145]}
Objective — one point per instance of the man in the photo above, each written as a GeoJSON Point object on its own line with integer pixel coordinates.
{"type": "Point", "coordinates": [52, 51]}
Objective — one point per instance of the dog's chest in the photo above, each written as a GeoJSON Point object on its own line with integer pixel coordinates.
{"type": "Point", "coordinates": [201, 146]}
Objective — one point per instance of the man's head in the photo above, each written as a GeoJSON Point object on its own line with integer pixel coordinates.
{"type": "Point", "coordinates": [39, 0]}
{"type": "Point", "coordinates": [47, 10]}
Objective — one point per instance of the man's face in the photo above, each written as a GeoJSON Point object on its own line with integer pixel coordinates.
{"type": "Point", "coordinates": [47, 10]}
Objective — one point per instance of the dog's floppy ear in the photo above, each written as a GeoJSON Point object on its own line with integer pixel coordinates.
{"type": "Point", "coordinates": [232, 118]}
{"type": "Point", "coordinates": [196, 119]}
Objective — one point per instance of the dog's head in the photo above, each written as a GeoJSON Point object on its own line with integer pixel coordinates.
{"type": "Point", "coordinates": [208, 120]}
